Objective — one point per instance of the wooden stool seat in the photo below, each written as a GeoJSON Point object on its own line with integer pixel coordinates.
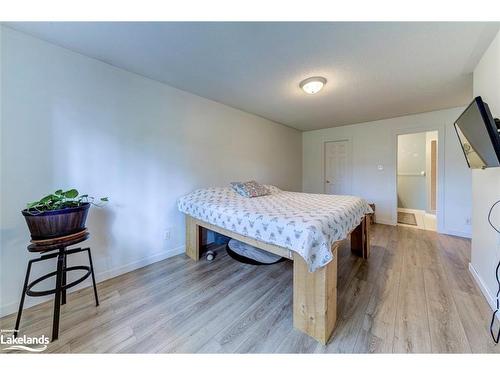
{"type": "Point", "coordinates": [43, 246]}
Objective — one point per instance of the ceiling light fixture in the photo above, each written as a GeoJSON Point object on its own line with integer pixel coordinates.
{"type": "Point", "coordinates": [313, 85]}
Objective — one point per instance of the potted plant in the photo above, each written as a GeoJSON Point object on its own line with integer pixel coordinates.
{"type": "Point", "coordinates": [59, 214]}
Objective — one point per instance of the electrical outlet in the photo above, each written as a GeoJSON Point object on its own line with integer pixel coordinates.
{"type": "Point", "coordinates": [168, 233]}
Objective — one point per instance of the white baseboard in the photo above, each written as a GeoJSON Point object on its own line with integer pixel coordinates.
{"type": "Point", "coordinates": [489, 297]}
{"type": "Point", "coordinates": [456, 233]}
{"type": "Point", "coordinates": [385, 222]}
{"type": "Point", "coordinates": [109, 274]}
{"type": "Point", "coordinates": [12, 307]}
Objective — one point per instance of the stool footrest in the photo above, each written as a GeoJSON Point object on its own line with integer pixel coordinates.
{"type": "Point", "coordinates": [39, 293]}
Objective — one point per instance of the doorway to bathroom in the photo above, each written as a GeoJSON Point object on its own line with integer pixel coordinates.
{"type": "Point", "coordinates": [417, 180]}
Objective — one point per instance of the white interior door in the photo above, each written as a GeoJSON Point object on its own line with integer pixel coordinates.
{"type": "Point", "coordinates": [338, 167]}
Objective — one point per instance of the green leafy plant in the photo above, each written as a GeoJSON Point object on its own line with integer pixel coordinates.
{"type": "Point", "coordinates": [62, 199]}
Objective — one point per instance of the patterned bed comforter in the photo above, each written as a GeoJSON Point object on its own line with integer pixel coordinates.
{"type": "Point", "coordinates": [305, 223]}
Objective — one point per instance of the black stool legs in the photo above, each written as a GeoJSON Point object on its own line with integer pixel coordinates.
{"type": "Point", "coordinates": [63, 296]}
{"type": "Point", "coordinates": [93, 276]}
{"type": "Point", "coordinates": [61, 284]}
{"type": "Point", "coordinates": [23, 295]}
{"type": "Point", "coordinates": [57, 297]}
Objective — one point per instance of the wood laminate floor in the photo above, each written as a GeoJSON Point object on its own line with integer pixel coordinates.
{"type": "Point", "coordinates": [415, 294]}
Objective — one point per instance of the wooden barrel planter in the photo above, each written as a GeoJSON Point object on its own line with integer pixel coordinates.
{"type": "Point", "coordinates": [56, 223]}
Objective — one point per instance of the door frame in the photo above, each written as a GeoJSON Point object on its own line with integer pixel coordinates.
{"type": "Point", "coordinates": [350, 158]}
{"type": "Point", "coordinates": [428, 168]}
{"type": "Point", "coordinates": [440, 207]}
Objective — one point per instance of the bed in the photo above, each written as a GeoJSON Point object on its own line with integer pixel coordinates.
{"type": "Point", "coordinates": [305, 228]}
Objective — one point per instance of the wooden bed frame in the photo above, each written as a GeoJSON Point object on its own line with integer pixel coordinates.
{"type": "Point", "coordinates": [314, 293]}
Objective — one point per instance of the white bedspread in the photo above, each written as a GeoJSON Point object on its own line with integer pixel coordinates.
{"type": "Point", "coordinates": [305, 223]}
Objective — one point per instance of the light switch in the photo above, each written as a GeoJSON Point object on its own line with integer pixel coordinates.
{"type": "Point", "coordinates": [380, 167]}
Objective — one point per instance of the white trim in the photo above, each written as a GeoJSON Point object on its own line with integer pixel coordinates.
{"type": "Point", "coordinates": [486, 293]}
{"type": "Point", "coordinates": [428, 166]}
{"type": "Point", "coordinates": [457, 233]}
{"type": "Point", "coordinates": [12, 307]}
{"type": "Point", "coordinates": [140, 263]}
{"type": "Point", "coordinates": [382, 221]}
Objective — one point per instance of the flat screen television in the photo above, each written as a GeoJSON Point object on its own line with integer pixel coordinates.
{"type": "Point", "coordinates": [479, 135]}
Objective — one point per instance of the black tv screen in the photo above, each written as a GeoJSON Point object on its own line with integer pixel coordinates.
{"type": "Point", "coordinates": [478, 135]}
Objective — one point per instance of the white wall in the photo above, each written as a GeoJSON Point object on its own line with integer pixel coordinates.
{"type": "Point", "coordinates": [412, 192]}
{"type": "Point", "coordinates": [486, 183]}
{"type": "Point", "coordinates": [71, 121]}
{"type": "Point", "coordinates": [374, 143]}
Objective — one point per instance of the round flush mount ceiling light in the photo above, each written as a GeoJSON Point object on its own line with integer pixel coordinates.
{"type": "Point", "coordinates": [313, 85]}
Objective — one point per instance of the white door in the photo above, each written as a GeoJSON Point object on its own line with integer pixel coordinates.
{"type": "Point", "coordinates": [338, 167]}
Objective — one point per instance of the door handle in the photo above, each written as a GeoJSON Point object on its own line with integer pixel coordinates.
{"type": "Point", "coordinates": [328, 181]}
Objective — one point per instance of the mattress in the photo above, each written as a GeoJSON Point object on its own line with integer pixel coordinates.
{"type": "Point", "coordinates": [307, 224]}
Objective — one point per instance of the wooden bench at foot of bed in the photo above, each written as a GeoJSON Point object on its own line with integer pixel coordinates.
{"type": "Point", "coordinates": [314, 293]}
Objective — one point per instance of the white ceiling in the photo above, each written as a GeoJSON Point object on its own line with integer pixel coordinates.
{"type": "Point", "coordinates": [374, 70]}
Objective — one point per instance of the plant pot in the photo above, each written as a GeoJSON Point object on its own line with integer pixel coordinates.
{"type": "Point", "coordinates": [56, 223]}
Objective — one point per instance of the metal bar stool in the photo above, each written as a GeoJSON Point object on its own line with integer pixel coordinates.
{"type": "Point", "coordinates": [56, 247]}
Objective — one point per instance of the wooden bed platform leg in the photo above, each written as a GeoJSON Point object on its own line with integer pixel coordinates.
{"type": "Point", "coordinates": [360, 239]}
{"type": "Point", "coordinates": [193, 238]}
{"type": "Point", "coordinates": [315, 298]}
